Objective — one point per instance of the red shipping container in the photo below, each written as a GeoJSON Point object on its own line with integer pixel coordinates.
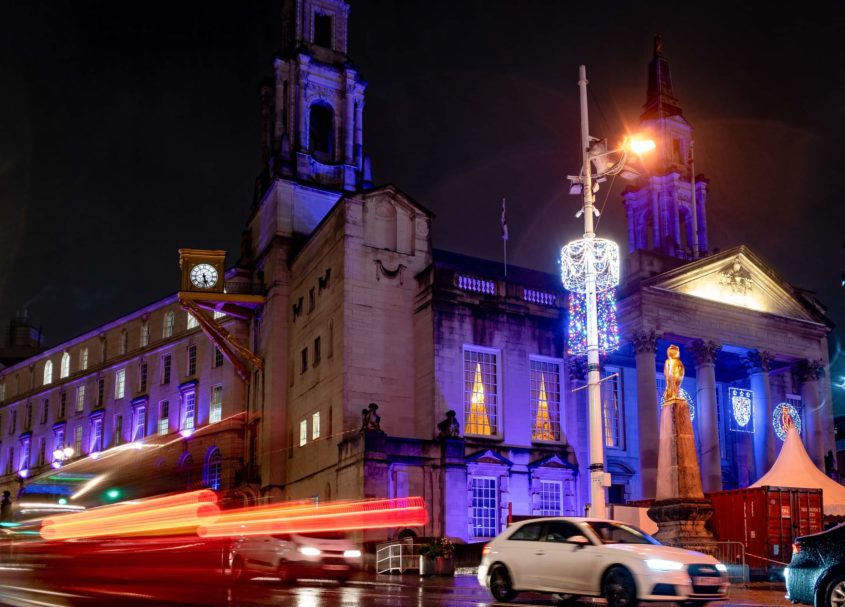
{"type": "Point", "coordinates": [766, 520]}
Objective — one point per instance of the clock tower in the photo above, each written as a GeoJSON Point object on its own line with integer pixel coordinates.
{"type": "Point", "coordinates": [665, 222]}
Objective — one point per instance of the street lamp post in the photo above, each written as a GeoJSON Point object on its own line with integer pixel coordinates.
{"type": "Point", "coordinates": [589, 266]}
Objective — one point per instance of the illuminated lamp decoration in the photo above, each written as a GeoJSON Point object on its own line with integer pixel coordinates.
{"type": "Point", "coordinates": [578, 255]}
{"type": "Point", "coordinates": [742, 406]}
{"type": "Point", "coordinates": [576, 344]}
{"type": "Point", "coordinates": [778, 423]}
{"type": "Point", "coordinates": [478, 423]}
{"type": "Point", "coordinates": [686, 396]}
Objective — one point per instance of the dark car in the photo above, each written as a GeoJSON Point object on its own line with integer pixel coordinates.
{"type": "Point", "coordinates": [816, 574]}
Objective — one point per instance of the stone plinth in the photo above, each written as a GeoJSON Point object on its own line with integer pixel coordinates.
{"type": "Point", "coordinates": [679, 509]}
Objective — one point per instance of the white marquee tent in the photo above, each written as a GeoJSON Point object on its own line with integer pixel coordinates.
{"type": "Point", "coordinates": [794, 468]}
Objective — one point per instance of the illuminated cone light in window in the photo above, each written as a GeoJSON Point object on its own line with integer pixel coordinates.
{"type": "Point", "coordinates": [479, 423]}
{"type": "Point", "coordinates": [543, 424]}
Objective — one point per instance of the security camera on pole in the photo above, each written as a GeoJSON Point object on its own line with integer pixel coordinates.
{"type": "Point", "coordinates": [590, 265]}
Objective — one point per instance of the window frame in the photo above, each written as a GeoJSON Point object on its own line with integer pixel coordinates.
{"type": "Point", "coordinates": [303, 432]}
{"type": "Point", "coordinates": [498, 412]}
{"type": "Point", "coordinates": [120, 383]}
{"type": "Point", "coordinates": [163, 417]}
{"type": "Point", "coordinates": [215, 407]}
{"type": "Point", "coordinates": [619, 416]}
{"type": "Point", "coordinates": [559, 432]}
{"type": "Point", "coordinates": [545, 484]}
{"type": "Point", "coordinates": [477, 511]}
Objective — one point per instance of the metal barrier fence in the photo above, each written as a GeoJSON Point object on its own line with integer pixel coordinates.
{"type": "Point", "coordinates": [730, 554]}
{"type": "Point", "coordinates": [398, 557]}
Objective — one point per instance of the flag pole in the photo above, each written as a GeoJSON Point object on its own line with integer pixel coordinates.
{"type": "Point", "coordinates": [504, 222]}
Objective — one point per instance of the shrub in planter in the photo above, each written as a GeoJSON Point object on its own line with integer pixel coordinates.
{"type": "Point", "coordinates": [437, 558]}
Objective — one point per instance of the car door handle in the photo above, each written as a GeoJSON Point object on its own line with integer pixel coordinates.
{"type": "Point", "coordinates": [539, 553]}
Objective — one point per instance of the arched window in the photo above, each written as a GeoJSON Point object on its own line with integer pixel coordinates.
{"type": "Point", "coordinates": [321, 131]}
{"type": "Point", "coordinates": [124, 341]}
{"type": "Point", "coordinates": [167, 331]}
{"type": "Point", "coordinates": [192, 321]}
{"type": "Point", "coordinates": [185, 469]}
{"type": "Point", "coordinates": [48, 372]}
{"type": "Point", "coordinates": [65, 369]}
{"type": "Point", "coordinates": [213, 470]}
{"type": "Point", "coordinates": [145, 333]}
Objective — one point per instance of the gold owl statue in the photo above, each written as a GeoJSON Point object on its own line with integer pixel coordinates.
{"type": "Point", "coordinates": [673, 371]}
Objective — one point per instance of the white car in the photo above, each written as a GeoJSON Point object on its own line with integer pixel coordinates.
{"type": "Point", "coordinates": [292, 556]}
{"type": "Point", "coordinates": [575, 557]}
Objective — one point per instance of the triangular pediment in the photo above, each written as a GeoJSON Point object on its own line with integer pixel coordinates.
{"type": "Point", "coordinates": [488, 456]}
{"type": "Point", "coordinates": [736, 278]}
{"type": "Point", "coordinates": [551, 461]}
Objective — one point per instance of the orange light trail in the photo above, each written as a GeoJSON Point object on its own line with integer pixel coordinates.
{"type": "Point", "coordinates": [336, 516]}
{"type": "Point", "coordinates": [164, 515]}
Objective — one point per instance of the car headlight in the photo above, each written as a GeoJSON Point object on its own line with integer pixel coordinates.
{"type": "Point", "coordinates": [352, 554]}
{"type": "Point", "coordinates": [309, 551]}
{"type": "Point", "coordinates": [664, 565]}
{"type": "Point", "coordinates": [721, 568]}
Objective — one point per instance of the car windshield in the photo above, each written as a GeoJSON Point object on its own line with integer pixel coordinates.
{"type": "Point", "coordinates": [617, 533]}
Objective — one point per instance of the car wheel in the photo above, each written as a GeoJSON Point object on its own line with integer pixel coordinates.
{"type": "Point", "coordinates": [283, 572]}
{"type": "Point", "coordinates": [619, 589]}
{"type": "Point", "coordinates": [695, 603]}
{"type": "Point", "coordinates": [237, 573]}
{"type": "Point", "coordinates": [835, 594]}
{"type": "Point", "coordinates": [500, 584]}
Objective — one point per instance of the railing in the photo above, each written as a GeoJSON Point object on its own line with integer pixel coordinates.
{"type": "Point", "coordinates": [479, 285]}
{"type": "Point", "coordinates": [397, 557]}
{"type": "Point", "coordinates": [539, 297]}
{"type": "Point", "coordinates": [730, 554]}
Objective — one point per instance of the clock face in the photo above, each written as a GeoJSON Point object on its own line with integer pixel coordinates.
{"type": "Point", "coordinates": [203, 276]}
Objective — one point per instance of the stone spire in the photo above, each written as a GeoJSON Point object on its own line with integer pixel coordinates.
{"type": "Point", "coordinates": [660, 99]}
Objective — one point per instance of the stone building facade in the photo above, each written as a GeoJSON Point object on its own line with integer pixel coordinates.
{"type": "Point", "coordinates": [479, 408]}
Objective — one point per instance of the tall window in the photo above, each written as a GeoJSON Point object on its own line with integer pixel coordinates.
{"type": "Point", "coordinates": [42, 450]}
{"type": "Point", "coordinates": [213, 469]}
{"type": "Point", "coordinates": [320, 127]}
{"type": "Point", "coordinates": [303, 360]}
{"type": "Point", "coordinates": [192, 321]}
{"type": "Point", "coordinates": [163, 417]}
{"type": "Point", "coordinates": [96, 434]}
{"type": "Point", "coordinates": [118, 430]}
{"type": "Point", "coordinates": [2, 392]}
{"type": "Point", "coordinates": [613, 408]}
{"type": "Point", "coordinates": [303, 432]}
{"type": "Point", "coordinates": [120, 383]}
{"type": "Point", "coordinates": [64, 370]}
{"type": "Point", "coordinates": [145, 333]}
{"type": "Point", "coordinates": [167, 330]}
{"type": "Point", "coordinates": [83, 359]}
{"type": "Point", "coordinates": [13, 422]}
{"type": "Point", "coordinates": [316, 351]}
{"type": "Point", "coordinates": [551, 498]}
{"type": "Point", "coordinates": [484, 506]}
{"type": "Point", "coordinates": [481, 391]}
{"type": "Point", "coordinates": [45, 410]}
{"type": "Point", "coordinates": [10, 463]}
{"type": "Point", "coordinates": [124, 342]}
{"type": "Point", "coordinates": [189, 411]}
{"type": "Point", "coordinates": [315, 426]}
{"type": "Point", "coordinates": [59, 438]}
{"type": "Point", "coordinates": [323, 30]}
{"type": "Point", "coordinates": [48, 372]}
{"type": "Point", "coordinates": [142, 373]}
{"type": "Point", "coordinates": [218, 357]}
{"type": "Point", "coordinates": [77, 440]}
{"type": "Point", "coordinates": [62, 405]}
{"type": "Point", "coordinates": [27, 422]}
{"type": "Point", "coordinates": [165, 369]}
{"type": "Point", "coordinates": [139, 430]}
{"type": "Point", "coordinates": [545, 399]}
{"type": "Point", "coordinates": [101, 392]}
{"type": "Point", "coordinates": [215, 413]}
{"type": "Point", "coordinates": [192, 360]}
{"type": "Point", "coordinates": [25, 454]}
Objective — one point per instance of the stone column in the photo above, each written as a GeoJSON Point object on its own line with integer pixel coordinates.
{"type": "Point", "coordinates": [645, 346]}
{"type": "Point", "coordinates": [809, 373]}
{"type": "Point", "coordinates": [758, 375]}
{"type": "Point", "coordinates": [349, 118]}
{"type": "Point", "coordinates": [704, 353]}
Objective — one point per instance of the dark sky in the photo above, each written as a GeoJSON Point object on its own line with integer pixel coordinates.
{"type": "Point", "coordinates": [128, 130]}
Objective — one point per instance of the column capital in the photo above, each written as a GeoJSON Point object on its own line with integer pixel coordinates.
{"type": "Point", "coordinates": [757, 361]}
{"type": "Point", "coordinates": [704, 352]}
{"type": "Point", "coordinates": [809, 370]}
{"type": "Point", "coordinates": [644, 341]}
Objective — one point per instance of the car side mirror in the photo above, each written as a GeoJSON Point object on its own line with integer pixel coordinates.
{"type": "Point", "coordinates": [579, 540]}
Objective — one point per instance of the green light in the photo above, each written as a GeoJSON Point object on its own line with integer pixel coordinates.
{"type": "Point", "coordinates": [113, 494]}
{"type": "Point", "coordinates": [62, 501]}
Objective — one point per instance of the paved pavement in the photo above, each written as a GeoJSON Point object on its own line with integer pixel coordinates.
{"type": "Point", "coordinates": [754, 594]}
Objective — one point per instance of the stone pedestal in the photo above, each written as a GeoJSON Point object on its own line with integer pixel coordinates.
{"type": "Point", "coordinates": [679, 509]}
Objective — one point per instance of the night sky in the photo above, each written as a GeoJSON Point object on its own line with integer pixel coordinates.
{"type": "Point", "coordinates": [128, 130]}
